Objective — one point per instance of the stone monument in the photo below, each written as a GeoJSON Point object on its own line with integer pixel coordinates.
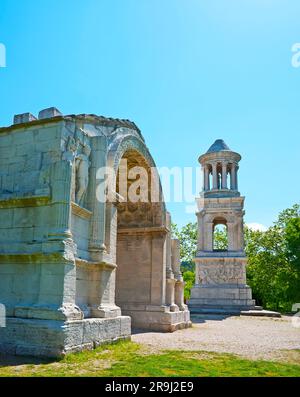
{"type": "Point", "coordinates": [220, 281]}
{"type": "Point", "coordinates": [76, 271]}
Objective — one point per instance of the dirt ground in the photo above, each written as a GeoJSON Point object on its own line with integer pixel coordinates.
{"type": "Point", "coordinates": [249, 337]}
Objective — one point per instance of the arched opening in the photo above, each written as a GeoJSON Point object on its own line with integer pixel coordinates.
{"type": "Point", "coordinates": [220, 235]}
{"type": "Point", "coordinates": [140, 254]}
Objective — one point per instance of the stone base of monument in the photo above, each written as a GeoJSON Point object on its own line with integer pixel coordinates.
{"type": "Point", "coordinates": [226, 300]}
{"type": "Point", "coordinates": [49, 338]}
{"type": "Point", "coordinates": [225, 297]}
{"type": "Point", "coordinates": [159, 318]}
{"type": "Point", "coordinates": [212, 312]}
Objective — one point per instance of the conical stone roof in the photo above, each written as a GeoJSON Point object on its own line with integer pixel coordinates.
{"type": "Point", "coordinates": [218, 146]}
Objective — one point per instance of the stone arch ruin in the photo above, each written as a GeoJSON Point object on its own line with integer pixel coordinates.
{"type": "Point", "coordinates": [77, 270]}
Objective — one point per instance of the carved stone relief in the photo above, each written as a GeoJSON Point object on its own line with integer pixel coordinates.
{"type": "Point", "coordinates": [221, 274]}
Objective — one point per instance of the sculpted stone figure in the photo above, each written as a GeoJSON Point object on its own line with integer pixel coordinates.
{"type": "Point", "coordinates": [82, 164]}
{"type": "Point", "coordinates": [71, 149]}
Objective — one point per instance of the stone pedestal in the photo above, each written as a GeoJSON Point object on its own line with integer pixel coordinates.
{"type": "Point", "coordinates": [221, 284]}
{"type": "Point", "coordinates": [49, 338]}
{"type": "Point", "coordinates": [157, 318]}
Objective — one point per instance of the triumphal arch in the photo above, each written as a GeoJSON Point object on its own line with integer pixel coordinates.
{"type": "Point", "coordinates": [80, 263]}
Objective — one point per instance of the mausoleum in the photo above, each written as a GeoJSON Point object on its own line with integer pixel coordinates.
{"type": "Point", "coordinates": [220, 280]}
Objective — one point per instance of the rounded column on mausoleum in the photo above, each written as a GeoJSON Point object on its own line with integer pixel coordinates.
{"type": "Point", "coordinates": [220, 168]}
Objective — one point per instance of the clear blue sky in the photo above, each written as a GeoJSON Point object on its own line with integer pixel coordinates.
{"type": "Point", "coordinates": [186, 71]}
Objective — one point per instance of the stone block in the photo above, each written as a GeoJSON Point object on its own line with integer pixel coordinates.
{"type": "Point", "coordinates": [49, 113]}
{"type": "Point", "coordinates": [47, 133]}
{"type": "Point", "coordinates": [23, 137]}
{"type": "Point", "coordinates": [5, 141]}
{"type": "Point", "coordinates": [6, 218]}
{"type": "Point", "coordinates": [23, 118]}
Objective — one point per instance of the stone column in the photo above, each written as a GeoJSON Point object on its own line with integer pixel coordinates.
{"type": "Point", "coordinates": [103, 303]}
{"type": "Point", "coordinates": [230, 236]}
{"type": "Point", "coordinates": [57, 278]}
{"type": "Point", "coordinates": [61, 180]}
{"type": "Point", "coordinates": [233, 179]}
{"type": "Point", "coordinates": [102, 295]}
{"type": "Point", "coordinates": [206, 178]}
{"type": "Point", "coordinates": [236, 177]}
{"type": "Point", "coordinates": [97, 199]}
{"type": "Point", "coordinates": [208, 236]}
{"type": "Point", "coordinates": [215, 176]}
{"type": "Point", "coordinates": [179, 286]}
{"type": "Point", "coordinates": [158, 270]}
{"type": "Point", "coordinates": [224, 175]}
{"type": "Point", "coordinates": [200, 234]}
{"type": "Point", "coordinates": [170, 287]}
{"type": "Point", "coordinates": [241, 242]}
{"type": "Point", "coordinates": [170, 294]}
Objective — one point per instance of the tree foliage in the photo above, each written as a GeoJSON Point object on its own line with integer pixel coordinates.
{"type": "Point", "coordinates": [220, 238]}
{"type": "Point", "coordinates": [273, 261]}
{"type": "Point", "coordinates": [188, 241]}
{"type": "Point", "coordinates": [189, 279]}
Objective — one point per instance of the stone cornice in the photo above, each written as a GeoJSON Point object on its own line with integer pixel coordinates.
{"type": "Point", "coordinates": [228, 156]}
{"type": "Point", "coordinates": [20, 202]}
{"type": "Point", "coordinates": [33, 257]}
{"type": "Point", "coordinates": [80, 211]}
{"type": "Point", "coordinates": [92, 118]}
{"type": "Point", "coordinates": [103, 265]}
{"type": "Point", "coordinates": [143, 230]}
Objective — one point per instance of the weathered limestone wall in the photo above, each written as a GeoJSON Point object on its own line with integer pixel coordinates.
{"type": "Point", "coordinates": [134, 263]}
{"type": "Point", "coordinates": [26, 157]}
{"type": "Point", "coordinates": [56, 338]}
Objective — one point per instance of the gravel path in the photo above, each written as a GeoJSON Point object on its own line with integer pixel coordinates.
{"type": "Point", "coordinates": [250, 337]}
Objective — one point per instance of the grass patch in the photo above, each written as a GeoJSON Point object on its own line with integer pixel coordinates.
{"type": "Point", "coordinates": [130, 359]}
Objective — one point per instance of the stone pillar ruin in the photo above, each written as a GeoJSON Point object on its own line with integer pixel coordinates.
{"type": "Point", "coordinates": [179, 285]}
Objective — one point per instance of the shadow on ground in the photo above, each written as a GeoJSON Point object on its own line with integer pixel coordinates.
{"type": "Point", "coordinates": [195, 318]}
{"type": "Point", "coordinates": [202, 318]}
{"type": "Point", "coordinates": [10, 360]}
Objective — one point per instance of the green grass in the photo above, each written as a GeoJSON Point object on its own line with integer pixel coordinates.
{"type": "Point", "coordinates": [130, 359]}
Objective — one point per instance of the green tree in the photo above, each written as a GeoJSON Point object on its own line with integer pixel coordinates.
{"type": "Point", "coordinates": [189, 279]}
{"type": "Point", "coordinates": [220, 238]}
{"type": "Point", "coordinates": [273, 261]}
{"type": "Point", "coordinates": [188, 241]}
